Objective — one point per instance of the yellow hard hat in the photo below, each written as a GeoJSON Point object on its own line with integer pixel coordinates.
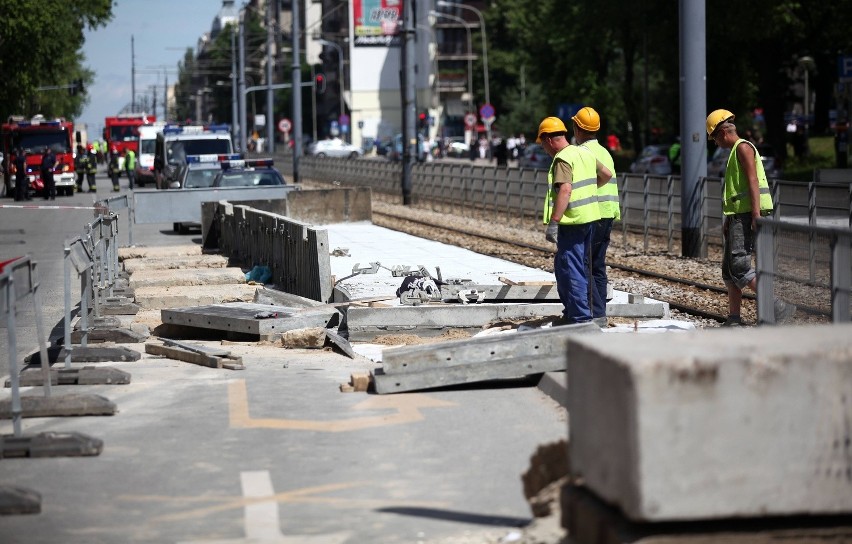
{"type": "Point", "coordinates": [587, 119]}
{"type": "Point", "coordinates": [550, 125]}
{"type": "Point", "coordinates": [716, 118]}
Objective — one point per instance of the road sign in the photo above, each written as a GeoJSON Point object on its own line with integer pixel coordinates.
{"type": "Point", "coordinates": [470, 120]}
{"type": "Point", "coordinates": [284, 125]}
{"type": "Point", "coordinates": [487, 113]}
{"type": "Point", "coordinates": [844, 68]}
{"type": "Point", "coordinates": [343, 120]}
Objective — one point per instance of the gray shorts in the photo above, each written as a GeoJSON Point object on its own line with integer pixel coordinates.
{"type": "Point", "coordinates": [737, 262]}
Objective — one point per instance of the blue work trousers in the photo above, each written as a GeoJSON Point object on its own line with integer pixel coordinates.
{"type": "Point", "coordinates": [600, 243]}
{"type": "Point", "coordinates": [570, 265]}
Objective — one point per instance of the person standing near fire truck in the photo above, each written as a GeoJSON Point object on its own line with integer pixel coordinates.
{"type": "Point", "coordinates": [130, 167]}
{"type": "Point", "coordinates": [92, 169]}
{"type": "Point", "coordinates": [113, 170]}
{"type": "Point", "coordinates": [81, 161]}
{"type": "Point", "coordinates": [48, 162]}
{"type": "Point", "coordinates": [21, 180]}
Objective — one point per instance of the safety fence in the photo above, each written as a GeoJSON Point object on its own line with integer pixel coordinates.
{"type": "Point", "coordinates": [296, 253]}
{"type": "Point", "coordinates": [19, 280]}
{"type": "Point", "coordinates": [806, 265]}
{"type": "Point", "coordinates": [650, 205]}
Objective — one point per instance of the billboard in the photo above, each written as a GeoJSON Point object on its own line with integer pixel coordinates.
{"type": "Point", "coordinates": [377, 22]}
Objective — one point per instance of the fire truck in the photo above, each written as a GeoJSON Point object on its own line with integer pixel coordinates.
{"type": "Point", "coordinates": [32, 136]}
{"type": "Point", "coordinates": [122, 131]}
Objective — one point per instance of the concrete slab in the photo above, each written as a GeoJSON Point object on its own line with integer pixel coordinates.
{"type": "Point", "coordinates": [59, 406]}
{"type": "Point", "coordinates": [158, 252]}
{"type": "Point", "coordinates": [88, 354]}
{"type": "Point", "coordinates": [116, 335]}
{"type": "Point", "coordinates": [491, 357]}
{"type": "Point", "coordinates": [174, 297]}
{"type": "Point", "coordinates": [187, 276]}
{"type": "Point", "coordinates": [701, 425]}
{"type": "Point", "coordinates": [250, 318]}
{"type": "Point", "coordinates": [18, 500]}
{"type": "Point", "coordinates": [132, 266]}
{"type": "Point", "coordinates": [88, 375]}
{"type": "Point", "coordinates": [69, 444]}
{"type": "Point", "coordinates": [364, 324]}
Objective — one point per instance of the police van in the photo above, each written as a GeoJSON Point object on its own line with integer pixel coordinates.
{"type": "Point", "coordinates": [176, 143]}
{"type": "Point", "coordinates": [145, 157]}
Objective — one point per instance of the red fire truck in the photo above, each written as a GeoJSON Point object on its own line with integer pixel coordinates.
{"type": "Point", "coordinates": [122, 131]}
{"type": "Point", "coordinates": [33, 136]}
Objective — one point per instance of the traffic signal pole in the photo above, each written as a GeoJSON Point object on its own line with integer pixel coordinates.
{"type": "Point", "coordinates": [408, 83]}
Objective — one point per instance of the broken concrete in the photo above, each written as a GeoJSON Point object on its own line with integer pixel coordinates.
{"type": "Point", "coordinates": [116, 335]}
{"type": "Point", "coordinates": [176, 262]}
{"type": "Point", "coordinates": [700, 425]}
{"type": "Point", "coordinates": [88, 354]}
{"type": "Point", "coordinates": [430, 320]}
{"type": "Point", "coordinates": [199, 355]}
{"type": "Point", "coordinates": [18, 500]}
{"type": "Point", "coordinates": [88, 375]}
{"type": "Point", "coordinates": [201, 295]}
{"type": "Point", "coordinates": [501, 356]}
{"type": "Point", "coordinates": [158, 252]}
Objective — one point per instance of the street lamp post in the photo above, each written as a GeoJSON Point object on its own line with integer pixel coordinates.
{"type": "Point", "coordinates": [807, 63]}
{"type": "Point", "coordinates": [339, 73]}
{"type": "Point", "coordinates": [445, 4]}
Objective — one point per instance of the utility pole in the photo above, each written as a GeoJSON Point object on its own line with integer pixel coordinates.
{"type": "Point", "coordinates": [297, 93]}
{"type": "Point", "coordinates": [409, 93]}
{"type": "Point", "coordinates": [242, 75]}
{"type": "Point", "coordinates": [132, 75]}
{"type": "Point", "coordinates": [234, 118]}
{"type": "Point", "coordinates": [270, 115]}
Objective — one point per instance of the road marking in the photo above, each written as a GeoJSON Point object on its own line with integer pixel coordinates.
{"type": "Point", "coordinates": [261, 521]}
{"type": "Point", "coordinates": [407, 411]}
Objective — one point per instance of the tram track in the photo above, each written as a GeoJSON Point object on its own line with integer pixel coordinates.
{"type": "Point", "coordinates": [538, 256]}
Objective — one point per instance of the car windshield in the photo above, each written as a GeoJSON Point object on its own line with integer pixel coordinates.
{"type": "Point", "coordinates": [123, 133]}
{"type": "Point", "coordinates": [200, 177]}
{"type": "Point", "coordinates": [35, 142]}
{"type": "Point", "coordinates": [249, 178]}
{"type": "Point", "coordinates": [177, 151]}
{"type": "Point", "coordinates": [147, 146]}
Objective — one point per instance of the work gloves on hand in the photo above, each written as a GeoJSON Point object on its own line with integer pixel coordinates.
{"type": "Point", "coordinates": [551, 232]}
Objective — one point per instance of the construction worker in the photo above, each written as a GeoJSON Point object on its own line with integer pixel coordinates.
{"type": "Point", "coordinates": [587, 123]}
{"type": "Point", "coordinates": [130, 167]}
{"type": "Point", "coordinates": [81, 162]}
{"type": "Point", "coordinates": [745, 197]}
{"type": "Point", "coordinates": [570, 212]}
{"type": "Point", "coordinates": [113, 169]}
{"type": "Point", "coordinates": [91, 169]}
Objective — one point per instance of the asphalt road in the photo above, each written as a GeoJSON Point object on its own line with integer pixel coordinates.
{"type": "Point", "coordinates": [272, 453]}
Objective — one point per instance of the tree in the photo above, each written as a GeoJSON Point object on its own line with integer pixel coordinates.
{"type": "Point", "coordinates": [40, 46]}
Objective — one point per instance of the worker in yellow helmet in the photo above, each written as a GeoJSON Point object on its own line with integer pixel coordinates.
{"type": "Point", "coordinates": [587, 123]}
{"type": "Point", "coordinates": [745, 197]}
{"type": "Point", "coordinates": [570, 212]}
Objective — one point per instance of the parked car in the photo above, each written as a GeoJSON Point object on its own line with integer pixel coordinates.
{"type": "Point", "coordinates": [456, 147]}
{"type": "Point", "coordinates": [719, 162]}
{"type": "Point", "coordinates": [335, 148]}
{"type": "Point", "coordinates": [248, 173]}
{"type": "Point", "coordinates": [198, 172]}
{"type": "Point", "coordinates": [535, 157]}
{"type": "Point", "coordinates": [654, 159]}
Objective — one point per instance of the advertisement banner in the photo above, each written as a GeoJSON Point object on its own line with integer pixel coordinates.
{"type": "Point", "coordinates": [377, 22]}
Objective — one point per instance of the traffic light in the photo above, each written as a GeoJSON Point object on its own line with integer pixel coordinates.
{"type": "Point", "coordinates": [319, 83]}
{"type": "Point", "coordinates": [423, 120]}
{"type": "Point", "coordinates": [76, 87]}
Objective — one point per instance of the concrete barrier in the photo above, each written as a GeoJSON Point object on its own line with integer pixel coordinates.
{"type": "Point", "coordinates": [716, 423]}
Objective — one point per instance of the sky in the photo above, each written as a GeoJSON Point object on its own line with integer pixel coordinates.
{"type": "Point", "coordinates": [162, 31]}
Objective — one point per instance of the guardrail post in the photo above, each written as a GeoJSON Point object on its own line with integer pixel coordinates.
{"type": "Point", "coordinates": [9, 309]}
{"type": "Point", "coordinates": [35, 289]}
{"type": "Point", "coordinates": [841, 277]}
{"type": "Point", "coordinates": [670, 210]}
{"type": "Point", "coordinates": [622, 201]}
{"type": "Point", "coordinates": [812, 221]}
{"type": "Point", "coordinates": [645, 212]}
{"type": "Point", "coordinates": [765, 249]}
{"type": "Point", "coordinates": [66, 265]}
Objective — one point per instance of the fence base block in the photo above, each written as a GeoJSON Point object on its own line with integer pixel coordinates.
{"type": "Point", "coordinates": [60, 405]}
{"type": "Point", "coordinates": [88, 354]}
{"type": "Point", "coordinates": [19, 500]}
{"type": "Point", "coordinates": [71, 444]}
{"type": "Point", "coordinates": [88, 375]}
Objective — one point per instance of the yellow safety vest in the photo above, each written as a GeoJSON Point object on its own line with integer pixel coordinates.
{"type": "Point", "coordinates": [735, 196]}
{"type": "Point", "coordinates": [608, 194]}
{"type": "Point", "coordinates": [583, 207]}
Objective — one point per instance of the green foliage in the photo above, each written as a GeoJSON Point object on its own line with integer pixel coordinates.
{"type": "Point", "coordinates": [40, 46]}
{"type": "Point", "coordinates": [821, 156]}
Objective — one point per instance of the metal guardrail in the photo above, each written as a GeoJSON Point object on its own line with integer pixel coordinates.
{"type": "Point", "coordinates": [18, 280]}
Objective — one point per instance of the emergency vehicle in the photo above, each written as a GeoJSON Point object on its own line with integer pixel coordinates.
{"type": "Point", "coordinates": [145, 156]}
{"type": "Point", "coordinates": [122, 131]}
{"type": "Point", "coordinates": [175, 143]}
{"type": "Point", "coordinates": [33, 136]}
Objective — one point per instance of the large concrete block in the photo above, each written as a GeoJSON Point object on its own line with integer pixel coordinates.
{"type": "Point", "coordinates": [715, 423]}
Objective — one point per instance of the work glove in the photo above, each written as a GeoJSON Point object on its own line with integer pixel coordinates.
{"type": "Point", "coordinates": [551, 232]}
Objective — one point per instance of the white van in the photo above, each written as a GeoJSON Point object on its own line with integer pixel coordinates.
{"type": "Point", "coordinates": [175, 143]}
{"type": "Point", "coordinates": [145, 159]}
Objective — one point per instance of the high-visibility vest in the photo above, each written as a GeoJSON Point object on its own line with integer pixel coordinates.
{"type": "Point", "coordinates": [130, 160]}
{"type": "Point", "coordinates": [608, 194]}
{"type": "Point", "coordinates": [735, 196]}
{"type": "Point", "coordinates": [583, 207]}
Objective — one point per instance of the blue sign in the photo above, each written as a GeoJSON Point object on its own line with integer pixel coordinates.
{"type": "Point", "coordinates": [844, 68]}
{"type": "Point", "coordinates": [486, 111]}
{"type": "Point", "coordinates": [567, 111]}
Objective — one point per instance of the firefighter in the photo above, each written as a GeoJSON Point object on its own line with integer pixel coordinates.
{"type": "Point", "coordinates": [21, 181]}
{"type": "Point", "coordinates": [92, 169]}
{"type": "Point", "coordinates": [113, 169]}
{"type": "Point", "coordinates": [48, 162]}
{"type": "Point", "coordinates": [81, 160]}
